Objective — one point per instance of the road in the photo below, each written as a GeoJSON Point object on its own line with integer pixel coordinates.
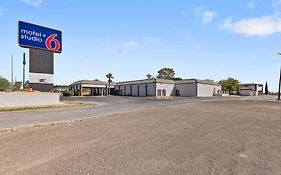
{"type": "Point", "coordinates": [105, 106]}
{"type": "Point", "coordinates": [195, 136]}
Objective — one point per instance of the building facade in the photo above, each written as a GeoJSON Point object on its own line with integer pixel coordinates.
{"type": "Point", "coordinates": [60, 88]}
{"type": "Point", "coordinates": [250, 89]}
{"type": "Point", "coordinates": [162, 87]}
{"type": "Point", "coordinates": [90, 88]}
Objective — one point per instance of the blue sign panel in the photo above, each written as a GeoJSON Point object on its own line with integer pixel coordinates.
{"type": "Point", "coordinates": [34, 36]}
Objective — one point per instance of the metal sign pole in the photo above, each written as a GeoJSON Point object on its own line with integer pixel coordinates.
{"type": "Point", "coordinates": [23, 75]}
{"type": "Point", "coordinates": [12, 72]}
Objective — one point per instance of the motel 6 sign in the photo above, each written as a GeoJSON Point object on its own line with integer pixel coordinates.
{"type": "Point", "coordinates": [39, 37]}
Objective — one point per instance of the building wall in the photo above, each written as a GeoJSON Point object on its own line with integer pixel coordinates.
{"type": "Point", "coordinates": [187, 90]}
{"type": "Point", "coordinates": [142, 90]}
{"type": "Point", "coordinates": [207, 90]}
{"type": "Point", "coordinates": [128, 90]}
{"type": "Point", "coordinates": [135, 90]}
{"type": "Point", "coordinates": [180, 89]}
{"type": "Point", "coordinates": [151, 89]}
{"type": "Point", "coordinates": [120, 89]}
{"type": "Point", "coordinates": [251, 89]}
{"type": "Point", "coordinates": [247, 92]}
{"type": "Point", "coordinates": [170, 89]}
{"type": "Point", "coordinates": [146, 89]}
{"type": "Point", "coordinates": [10, 100]}
{"type": "Point", "coordinates": [60, 89]}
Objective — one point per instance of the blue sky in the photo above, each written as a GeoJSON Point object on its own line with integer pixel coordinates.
{"type": "Point", "coordinates": [198, 38]}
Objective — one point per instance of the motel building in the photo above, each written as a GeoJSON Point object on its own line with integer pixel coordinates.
{"type": "Point", "coordinates": [250, 89]}
{"type": "Point", "coordinates": [90, 88]}
{"type": "Point", "coordinates": [60, 88]}
{"type": "Point", "coordinates": [162, 87]}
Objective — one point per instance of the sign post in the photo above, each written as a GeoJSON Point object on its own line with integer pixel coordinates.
{"type": "Point", "coordinates": [42, 42]}
{"type": "Point", "coordinates": [23, 71]}
{"type": "Point", "coordinates": [279, 89]}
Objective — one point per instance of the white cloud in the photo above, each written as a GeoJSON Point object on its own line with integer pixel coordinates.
{"type": "Point", "coordinates": [151, 39]}
{"type": "Point", "coordinates": [251, 5]}
{"type": "Point", "coordinates": [261, 26]}
{"type": "Point", "coordinates": [34, 3]}
{"type": "Point", "coordinates": [205, 15]}
{"type": "Point", "coordinates": [208, 16]}
{"type": "Point", "coordinates": [128, 45]}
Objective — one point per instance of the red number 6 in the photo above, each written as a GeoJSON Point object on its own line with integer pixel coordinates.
{"type": "Point", "coordinates": [49, 41]}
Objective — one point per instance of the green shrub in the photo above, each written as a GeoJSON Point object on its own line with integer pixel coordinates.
{"type": "Point", "coordinates": [4, 84]}
{"type": "Point", "coordinates": [68, 93]}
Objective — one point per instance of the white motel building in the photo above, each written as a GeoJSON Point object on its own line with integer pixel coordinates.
{"type": "Point", "coordinates": [162, 87]}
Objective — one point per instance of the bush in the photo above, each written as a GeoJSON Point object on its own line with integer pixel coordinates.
{"type": "Point", "coordinates": [68, 93]}
{"type": "Point", "coordinates": [4, 84]}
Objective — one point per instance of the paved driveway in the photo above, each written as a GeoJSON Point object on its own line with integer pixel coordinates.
{"type": "Point", "coordinates": [105, 106]}
{"type": "Point", "coordinates": [221, 137]}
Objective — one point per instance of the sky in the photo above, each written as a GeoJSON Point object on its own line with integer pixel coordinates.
{"type": "Point", "coordinates": [204, 39]}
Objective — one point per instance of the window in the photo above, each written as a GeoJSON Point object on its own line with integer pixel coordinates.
{"type": "Point", "coordinates": [159, 92]}
{"type": "Point", "coordinates": [164, 92]}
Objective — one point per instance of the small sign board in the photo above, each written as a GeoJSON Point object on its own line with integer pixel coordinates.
{"type": "Point", "coordinates": [40, 78]}
{"type": "Point", "coordinates": [39, 37]}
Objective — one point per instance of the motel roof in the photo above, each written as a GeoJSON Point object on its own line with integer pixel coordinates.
{"type": "Point", "coordinates": [145, 81]}
{"type": "Point", "coordinates": [193, 80]}
{"type": "Point", "coordinates": [91, 82]}
{"type": "Point", "coordinates": [156, 80]}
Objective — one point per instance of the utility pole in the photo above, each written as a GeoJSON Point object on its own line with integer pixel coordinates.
{"type": "Point", "coordinates": [23, 75]}
{"type": "Point", "coordinates": [12, 73]}
{"type": "Point", "coordinates": [279, 91]}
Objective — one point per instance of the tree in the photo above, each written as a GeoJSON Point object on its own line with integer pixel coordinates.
{"type": "Point", "coordinates": [166, 73]}
{"type": "Point", "coordinates": [266, 89]}
{"type": "Point", "coordinates": [4, 84]}
{"type": "Point", "coordinates": [177, 78]}
{"type": "Point", "coordinates": [109, 77]}
{"type": "Point", "coordinates": [149, 76]}
{"type": "Point", "coordinates": [209, 80]}
{"type": "Point", "coordinates": [230, 84]}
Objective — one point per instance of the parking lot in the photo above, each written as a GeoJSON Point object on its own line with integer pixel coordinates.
{"type": "Point", "coordinates": [175, 136]}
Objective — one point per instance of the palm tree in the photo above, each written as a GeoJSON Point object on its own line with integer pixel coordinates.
{"type": "Point", "coordinates": [109, 77]}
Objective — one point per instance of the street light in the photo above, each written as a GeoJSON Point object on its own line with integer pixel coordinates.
{"type": "Point", "coordinates": [279, 91]}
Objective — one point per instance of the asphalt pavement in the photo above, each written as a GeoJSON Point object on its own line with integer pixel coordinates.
{"type": "Point", "coordinates": [105, 106]}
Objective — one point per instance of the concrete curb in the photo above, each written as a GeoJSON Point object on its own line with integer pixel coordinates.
{"type": "Point", "coordinates": [60, 106]}
{"type": "Point", "coordinates": [12, 129]}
